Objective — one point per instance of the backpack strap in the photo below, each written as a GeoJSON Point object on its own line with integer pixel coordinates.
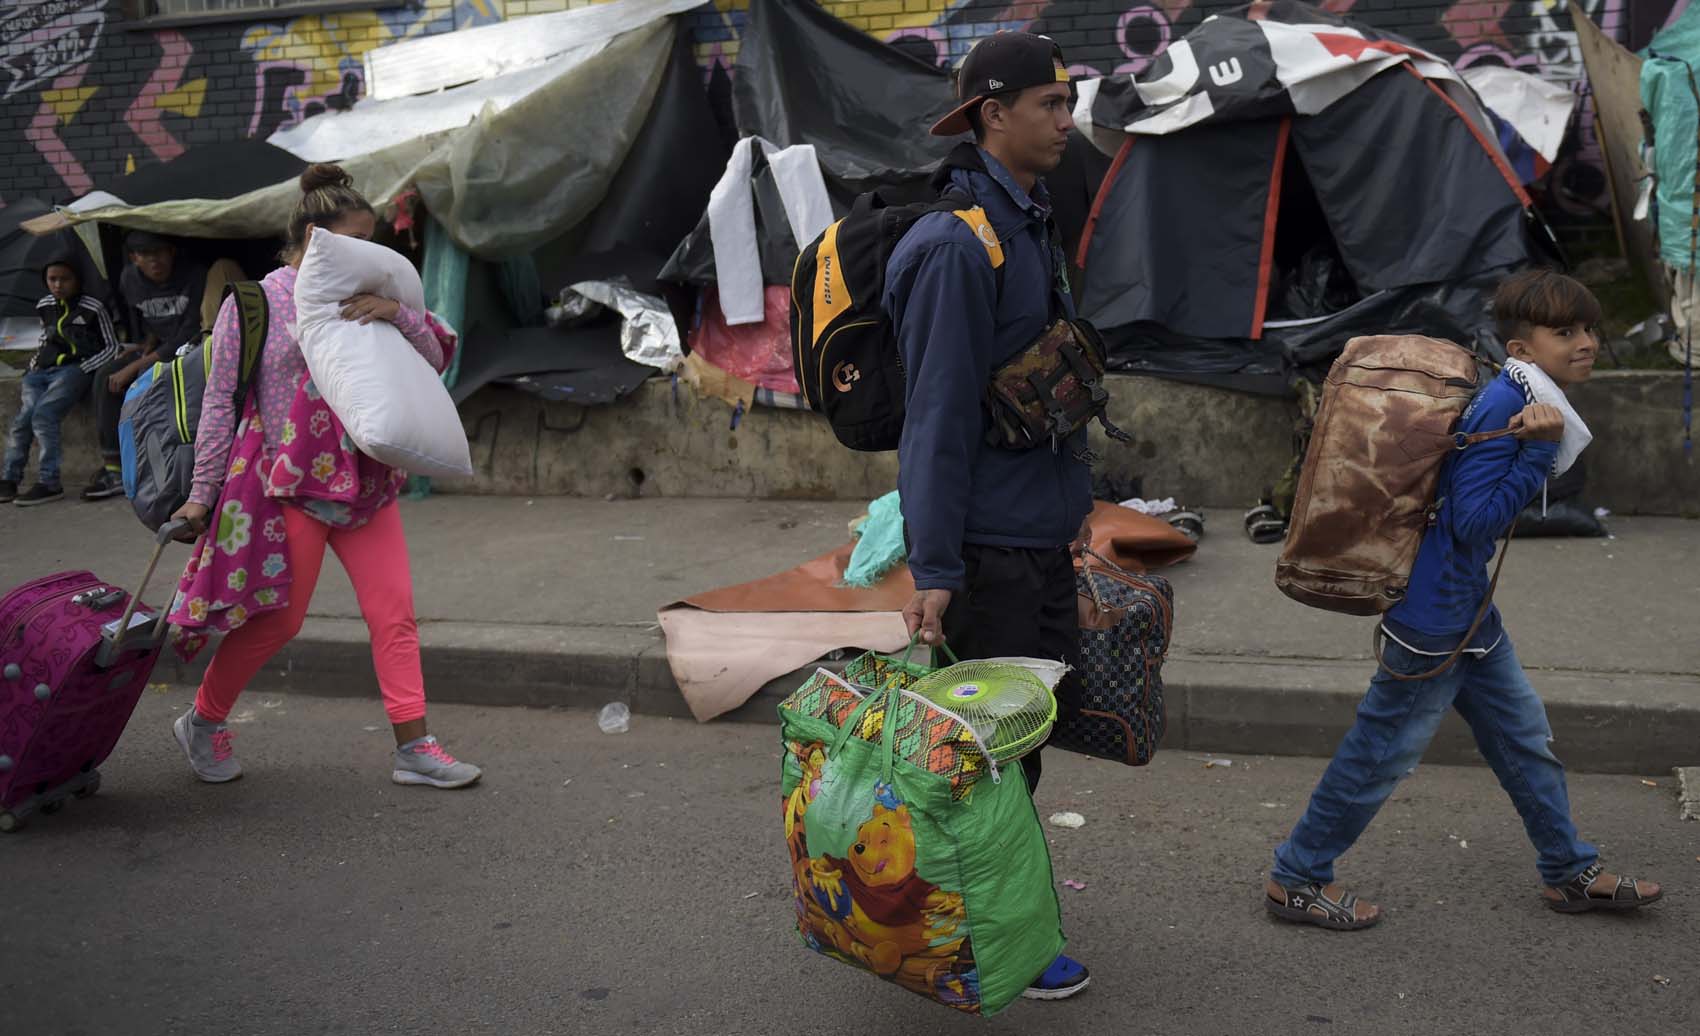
{"type": "Point", "coordinates": [253, 315]}
{"type": "Point", "coordinates": [951, 201]}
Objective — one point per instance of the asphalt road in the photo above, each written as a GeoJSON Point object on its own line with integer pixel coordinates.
{"type": "Point", "coordinates": [637, 883]}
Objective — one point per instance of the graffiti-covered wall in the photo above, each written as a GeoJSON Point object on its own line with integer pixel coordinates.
{"type": "Point", "coordinates": [87, 93]}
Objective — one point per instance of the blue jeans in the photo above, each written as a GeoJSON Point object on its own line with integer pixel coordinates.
{"type": "Point", "coordinates": [1395, 723]}
{"type": "Point", "coordinates": [47, 397]}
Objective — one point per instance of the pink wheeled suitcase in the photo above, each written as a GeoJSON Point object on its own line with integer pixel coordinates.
{"type": "Point", "coordinates": [77, 653]}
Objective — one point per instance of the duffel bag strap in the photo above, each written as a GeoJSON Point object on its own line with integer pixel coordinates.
{"type": "Point", "coordinates": [1457, 652]}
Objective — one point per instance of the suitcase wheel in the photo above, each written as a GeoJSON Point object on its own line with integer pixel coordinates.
{"type": "Point", "coordinates": [87, 790]}
{"type": "Point", "coordinates": [50, 808]}
{"type": "Point", "coordinates": [9, 823]}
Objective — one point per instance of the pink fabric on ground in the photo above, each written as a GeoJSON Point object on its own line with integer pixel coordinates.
{"type": "Point", "coordinates": [375, 557]}
{"type": "Point", "coordinates": [720, 659]}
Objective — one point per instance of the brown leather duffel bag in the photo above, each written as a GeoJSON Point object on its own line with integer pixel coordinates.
{"type": "Point", "coordinates": [1366, 495]}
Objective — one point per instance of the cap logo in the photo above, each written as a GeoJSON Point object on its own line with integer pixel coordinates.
{"type": "Point", "coordinates": [995, 84]}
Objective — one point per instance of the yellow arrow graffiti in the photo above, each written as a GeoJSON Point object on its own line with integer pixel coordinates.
{"type": "Point", "coordinates": [66, 103]}
{"type": "Point", "coordinates": [186, 100]}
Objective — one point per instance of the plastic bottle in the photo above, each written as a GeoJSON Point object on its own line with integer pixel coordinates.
{"type": "Point", "coordinates": [615, 718]}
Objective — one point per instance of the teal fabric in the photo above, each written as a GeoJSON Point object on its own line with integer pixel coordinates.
{"type": "Point", "coordinates": [446, 265]}
{"type": "Point", "coordinates": [522, 287]}
{"type": "Point", "coordinates": [879, 543]}
{"type": "Point", "coordinates": [1667, 95]}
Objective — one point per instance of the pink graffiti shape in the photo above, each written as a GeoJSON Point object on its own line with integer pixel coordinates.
{"type": "Point", "coordinates": [1025, 12]}
{"type": "Point", "coordinates": [43, 132]}
{"type": "Point", "coordinates": [144, 116]}
{"type": "Point", "coordinates": [1477, 21]}
{"type": "Point", "coordinates": [1139, 60]}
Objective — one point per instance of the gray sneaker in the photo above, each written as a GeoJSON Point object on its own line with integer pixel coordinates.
{"type": "Point", "coordinates": [426, 762]}
{"type": "Point", "coordinates": [208, 749]}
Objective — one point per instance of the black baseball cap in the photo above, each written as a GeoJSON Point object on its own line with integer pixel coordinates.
{"type": "Point", "coordinates": [145, 241]}
{"type": "Point", "coordinates": [1002, 61]}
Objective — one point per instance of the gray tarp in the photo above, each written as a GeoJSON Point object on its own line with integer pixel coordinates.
{"type": "Point", "coordinates": [553, 155]}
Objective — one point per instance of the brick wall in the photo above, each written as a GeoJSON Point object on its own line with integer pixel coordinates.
{"type": "Point", "coordinates": [86, 95]}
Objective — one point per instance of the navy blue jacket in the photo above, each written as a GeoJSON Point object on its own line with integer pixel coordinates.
{"type": "Point", "coordinates": [953, 329]}
{"type": "Point", "coordinates": [1481, 489]}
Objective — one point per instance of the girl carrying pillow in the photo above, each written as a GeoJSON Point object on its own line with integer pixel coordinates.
{"type": "Point", "coordinates": [283, 482]}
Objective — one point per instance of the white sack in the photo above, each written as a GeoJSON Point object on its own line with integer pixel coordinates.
{"type": "Point", "coordinates": [390, 401]}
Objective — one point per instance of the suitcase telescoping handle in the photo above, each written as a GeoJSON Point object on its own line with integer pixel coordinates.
{"type": "Point", "coordinates": [115, 642]}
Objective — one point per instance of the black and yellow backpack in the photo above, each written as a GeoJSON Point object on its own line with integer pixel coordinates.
{"type": "Point", "coordinates": [842, 343]}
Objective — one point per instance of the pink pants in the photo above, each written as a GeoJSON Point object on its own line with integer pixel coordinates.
{"type": "Point", "coordinates": [375, 557]}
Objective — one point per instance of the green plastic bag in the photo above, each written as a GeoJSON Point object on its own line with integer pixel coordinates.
{"type": "Point", "coordinates": [913, 856]}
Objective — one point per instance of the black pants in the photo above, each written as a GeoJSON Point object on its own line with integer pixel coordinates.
{"type": "Point", "coordinates": [1019, 602]}
{"type": "Point", "coordinates": [107, 404]}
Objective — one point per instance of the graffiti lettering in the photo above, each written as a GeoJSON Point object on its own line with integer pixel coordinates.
{"type": "Point", "coordinates": [41, 40]}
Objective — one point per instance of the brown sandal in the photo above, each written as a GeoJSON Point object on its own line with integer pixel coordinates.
{"type": "Point", "coordinates": [1309, 904]}
{"type": "Point", "coordinates": [1576, 898]}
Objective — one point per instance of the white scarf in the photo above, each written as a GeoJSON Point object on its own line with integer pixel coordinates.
{"type": "Point", "coordinates": [1538, 387]}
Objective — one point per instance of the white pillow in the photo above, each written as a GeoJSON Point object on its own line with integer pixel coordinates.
{"type": "Point", "coordinates": [391, 402]}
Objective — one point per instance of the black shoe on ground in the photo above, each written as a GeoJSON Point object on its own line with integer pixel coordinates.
{"type": "Point", "coordinates": [39, 494]}
{"type": "Point", "coordinates": [8, 491]}
{"type": "Point", "coordinates": [106, 483]}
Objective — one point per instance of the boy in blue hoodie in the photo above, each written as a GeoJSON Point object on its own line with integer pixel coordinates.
{"type": "Point", "coordinates": [1547, 322]}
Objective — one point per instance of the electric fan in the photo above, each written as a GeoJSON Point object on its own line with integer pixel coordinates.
{"type": "Point", "coordinates": [1008, 707]}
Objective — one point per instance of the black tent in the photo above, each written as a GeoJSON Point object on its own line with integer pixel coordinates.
{"type": "Point", "coordinates": [218, 170]}
{"type": "Point", "coordinates": [806, 77]}
{"type": "Point", "coordinates": [1286, 179]}
{"type": "Point", "coordinates": [657, 196]}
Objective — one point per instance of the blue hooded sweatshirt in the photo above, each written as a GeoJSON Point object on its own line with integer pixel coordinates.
{"type": "Point", "coordinates": [1481, 490]}
{"type": "Point", "coordinates": [954, 328]}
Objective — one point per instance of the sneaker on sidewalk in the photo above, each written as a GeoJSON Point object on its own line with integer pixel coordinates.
{"type": "Point", "coordinates": [39, 494]}
{"type": "Point", "coordinates": [106, 483]}
{"type": "Point", "coordinates": [8, 491]}
{"type": "Point", "coordinates": [424, 761]}
{"type": "Point", "coordinates": [1064, 978]}
{"type": "Point", "coordinates": [208, 747]}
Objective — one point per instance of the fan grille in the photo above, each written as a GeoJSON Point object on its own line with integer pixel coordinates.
{"type": "Point", "coordinates": [1008, 707]}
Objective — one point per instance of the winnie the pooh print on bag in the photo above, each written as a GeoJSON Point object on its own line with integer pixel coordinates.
{"type": "Point", "coordinates": [870, 907]}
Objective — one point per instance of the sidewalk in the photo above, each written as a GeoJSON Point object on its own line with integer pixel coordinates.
{"type": "Point", "coordinates": [551, 602]}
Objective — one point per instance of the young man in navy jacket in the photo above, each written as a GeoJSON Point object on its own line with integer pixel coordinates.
{"type": "Point", "coordinates": [990, 529]}
{"type": "Point", "coordinates": [1547, 321]}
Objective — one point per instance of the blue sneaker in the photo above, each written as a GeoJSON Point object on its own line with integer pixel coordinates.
{"type": "Point", "coordinates": [1064, 978]}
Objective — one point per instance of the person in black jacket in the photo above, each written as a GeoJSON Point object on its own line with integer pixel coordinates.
{"type": "Point", "coordinates": [991, 531]}
{"type": "Point", "coordinates": [162, 294]}
{"type": "Point", "coordinates": [76, 339]}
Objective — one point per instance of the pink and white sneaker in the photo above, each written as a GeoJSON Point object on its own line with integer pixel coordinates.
{"type": "Point", "coordinates": [424, 761]}
{"type": "Point", "coordinates": [208, 747]}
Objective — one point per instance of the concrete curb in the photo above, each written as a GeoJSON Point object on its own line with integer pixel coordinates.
{"type": "Point", "coordinates": [1602, 722]}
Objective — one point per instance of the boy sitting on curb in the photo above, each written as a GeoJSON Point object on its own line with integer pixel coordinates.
{"type": "Point", "coordinates": [1547, 321]}
{"type": "Point", "coordinates": [76, 338]}
{"type": "Point", "coordinates": [163, 304]}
